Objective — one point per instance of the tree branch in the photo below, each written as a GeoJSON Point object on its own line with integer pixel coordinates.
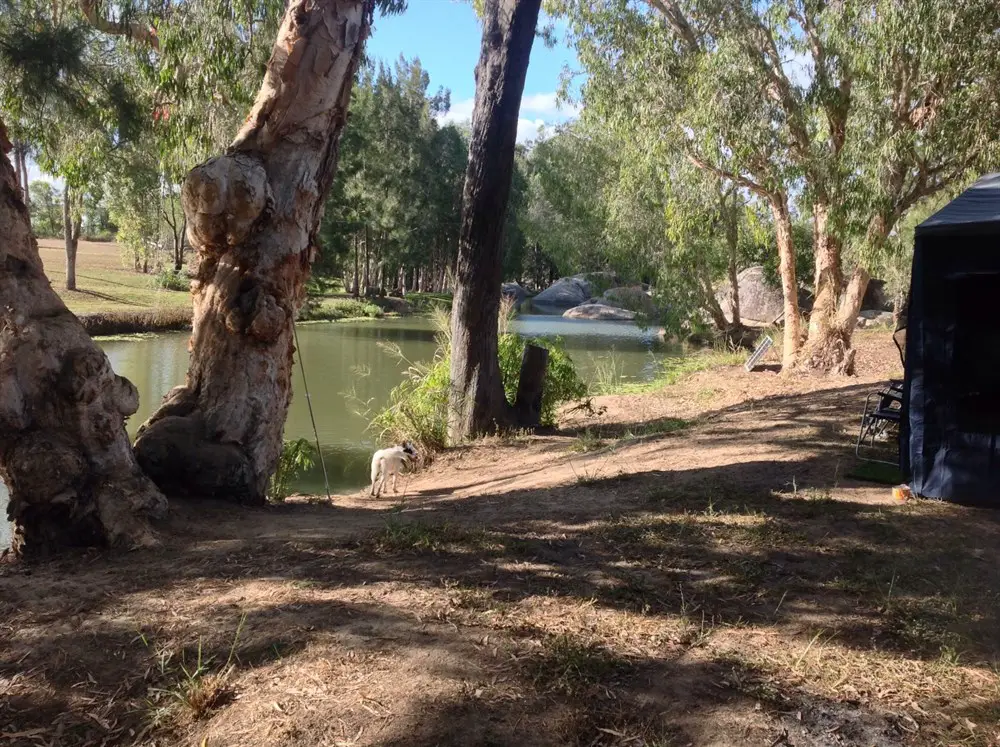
{"type": "Point", "coordinates": [741, 181]}
{"type": "Point", "coordinates": [678, 22]}
{"type": "Point", "coordinates": [131, 29]}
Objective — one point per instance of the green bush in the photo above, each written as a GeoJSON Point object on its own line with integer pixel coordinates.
{"type": "Point", "coordinates": [418, 407]}
{"type": "Point", "coordinates": [171, 280]}
{"type": "Point", "coordinates": [335, 309]}
{"type": "Point", "coordinates": [296, 458]}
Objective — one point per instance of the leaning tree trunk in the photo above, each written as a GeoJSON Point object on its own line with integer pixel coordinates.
{"type": "Point", "coordinates": [64, 453]}
{"type": "Point", "coordinates": [252, 216]}
{"type": "Point", "coordinates": [477, 403]}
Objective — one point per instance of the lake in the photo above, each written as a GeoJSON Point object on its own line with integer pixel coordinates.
{"type": "Point", "coordinates": [348, 370]}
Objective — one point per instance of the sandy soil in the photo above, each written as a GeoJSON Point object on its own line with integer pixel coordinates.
{"type": "Point", "coordinates": [691, 567]}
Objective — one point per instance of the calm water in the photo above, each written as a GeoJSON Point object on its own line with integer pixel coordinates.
{"type": "Point", "coordinates": [346, 368]}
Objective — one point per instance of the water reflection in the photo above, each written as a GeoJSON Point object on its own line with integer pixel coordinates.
{"type": "Point", "coordinates": [349, 370]}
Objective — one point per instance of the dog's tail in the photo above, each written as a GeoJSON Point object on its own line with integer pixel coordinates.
{"type": "Point", "coordinates": [376, 468]}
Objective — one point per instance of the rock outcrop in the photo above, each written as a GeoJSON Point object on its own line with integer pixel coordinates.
{"type": "Point", "coordinates": [514, 292]}
{"type": "Point", "coordinates": [565, 293]}
{"type": "Point", "coordinates": [760, 301]}
{"type": "Point", "coordinates": [632, 297]}
{"type": "Point", "coordinates": [599, 312]}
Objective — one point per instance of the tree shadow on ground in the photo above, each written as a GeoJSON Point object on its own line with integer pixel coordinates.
{"type": "Point", "coordinates": [577, 614]}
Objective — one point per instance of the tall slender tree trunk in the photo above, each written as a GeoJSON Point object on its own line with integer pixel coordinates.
{"type": "Point", "coordinates": [368, 255]}
{"type": "Point", "coordinates": [792, 338]}
{"type": "Point", "coordinates": [733, 244]}
{"type": "Point", "coordinates": [71, 238]}
{"type": "Point", "coordinates": [477, 403]}
{"type": "Point", "coordinates": [64, 453]}
{"type": "Point", "coordinates": [253, 214]}
{"type": "Point", "coordinates": [357, 278]}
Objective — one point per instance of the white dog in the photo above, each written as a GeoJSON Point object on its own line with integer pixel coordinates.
{"type": "Point", "coordinates": [388, 462]}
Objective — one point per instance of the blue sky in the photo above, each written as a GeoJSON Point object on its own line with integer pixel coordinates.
{"type": "Point", "coordinates": [445, 35]}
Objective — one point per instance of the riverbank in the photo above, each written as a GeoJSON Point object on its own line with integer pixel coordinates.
{"type": "Point", "coordinates": [695, 565]}
{"type": "Point", "coordinates": [110, 300]}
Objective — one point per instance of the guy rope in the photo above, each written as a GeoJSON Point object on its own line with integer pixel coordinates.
{"type": "Point", "coordinates": [312, 417]}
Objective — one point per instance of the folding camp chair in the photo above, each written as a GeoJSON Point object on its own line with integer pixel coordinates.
{"type": "Point", "coordinates": [880, 420]}
{"type": "Point", "coordinates": [883, 410]}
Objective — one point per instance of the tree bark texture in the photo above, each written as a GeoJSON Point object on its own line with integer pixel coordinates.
{"type": "Point", "coordinates": [477, 403]}
{"type": "Point", "coordinates": [64, 453]}
{"type": "Point", "coordinates": [733, 244]}
{"type": "Point", "coordinates": [836, 308]}
{"type": "Point", "coordinates": [252, 217]}
{"type": "Point", "coordinates": [791, 340]}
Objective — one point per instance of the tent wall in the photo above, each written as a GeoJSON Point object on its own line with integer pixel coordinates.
{"type": "Point", "coordinates": [950, 439]}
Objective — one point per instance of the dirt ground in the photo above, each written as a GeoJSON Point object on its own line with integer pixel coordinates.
{"type": "Point", "coordinates": [690, 567]}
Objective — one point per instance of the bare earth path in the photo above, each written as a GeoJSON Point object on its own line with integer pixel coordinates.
{"type": "Point", "coordinates": [689, 567]}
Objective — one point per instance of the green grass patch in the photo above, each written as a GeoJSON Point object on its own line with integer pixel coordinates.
{"type": "Point", "coordinates": [426, 302]}
{"type": "Point", "coordinates": [671, 370]}
{"type": "Point", "coordinates": [885, 474]}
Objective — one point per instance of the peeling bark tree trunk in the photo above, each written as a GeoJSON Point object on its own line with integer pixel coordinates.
{"type": "Point", "coordinates": [826, 347]}
{"type": "Point", "coordinates": [71, 236]}
{"type": "Point", "coordinates": [252, 217]}
{"type": "Point", "coordinates": [64, 453]}
{"type": "Point", "coordinates": [477, 403]}
{"type": "Point", "coordinates": [835, 312]}
{"type": "Point", "coordinates": [792, 339]}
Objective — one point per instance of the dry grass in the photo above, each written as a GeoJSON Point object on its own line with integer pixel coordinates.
{"type": "Point", "coordinates": [132, 321]}
{"type": "Point", "coordinates": [103, 284]}
{"type": "Point", "coordinates": [722, 585]}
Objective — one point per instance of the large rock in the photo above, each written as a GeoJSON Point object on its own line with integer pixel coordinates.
{"type": "Point", "coordinates": [760, 301]}
{"type": "Point", "coordinates": [514, 292]}
{"type": "Point", "coordinates": [876, 298]}
{"type": "Point", "coordinates": [632, 297]}
{"type": "Point", "coordinates": [870, 318]}
{"type": "Point", "coordinates": [598, 280]}
{"type": "Point", "coordinates": [565, 293]}
{"type": "Point", "coordinates": [599, 312]}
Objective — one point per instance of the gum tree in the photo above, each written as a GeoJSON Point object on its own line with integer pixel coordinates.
{"type": "Point", "coordinates": [253, 214]}
{"type": "Point", "coordinates": [477, 402]}
{"type": "Point", "coordinates": [849, 111]}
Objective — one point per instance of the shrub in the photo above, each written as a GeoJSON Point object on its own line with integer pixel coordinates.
{"type": "Point", "coordinates": [140, 320]}
{"type": "Point", "coordinates": [418, 407]}
{"type": "Point", "coordinates": [171, 280]}
{"type": "Point", "coordinates": [335, 309]}
{"type": "Point", "coordinates": [296, 458]}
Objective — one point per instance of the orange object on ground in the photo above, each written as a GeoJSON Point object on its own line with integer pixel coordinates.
{"type": "Point", "coordinates": [902, 493]}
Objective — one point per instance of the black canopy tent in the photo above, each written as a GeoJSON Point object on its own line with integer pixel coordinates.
{"type": "Point", "coordinates": [951, 395]}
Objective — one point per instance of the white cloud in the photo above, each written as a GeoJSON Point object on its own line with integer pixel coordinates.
{"type": "Point", "coordinates": [538, 110]}
{"type": "Point", "coordinates": [460, 111]}
{"type": "Point", "coordinates": [530, 129]}
{"type": "Point", "coordinates": [549, 105]}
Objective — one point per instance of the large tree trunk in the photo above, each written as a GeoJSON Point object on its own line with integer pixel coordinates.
{"type": "Point", "coordinates": [252, 217]}
{"type": "Point", "coordinates": [477, 403]}
{"type": "Point", "coordinates": [64, 453]}
{"type": "Point", "coordinates": [834, 316]}
{"type": "Point", "coordinates": [792, 339]}
{"type": "Point", "coordinates": [71, 236]}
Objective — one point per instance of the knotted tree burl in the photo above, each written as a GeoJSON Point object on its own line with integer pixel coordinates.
{"type": "Point", "coordinates": [252, 215]}
{"type": "Point", "coordinates": [64, 452]}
